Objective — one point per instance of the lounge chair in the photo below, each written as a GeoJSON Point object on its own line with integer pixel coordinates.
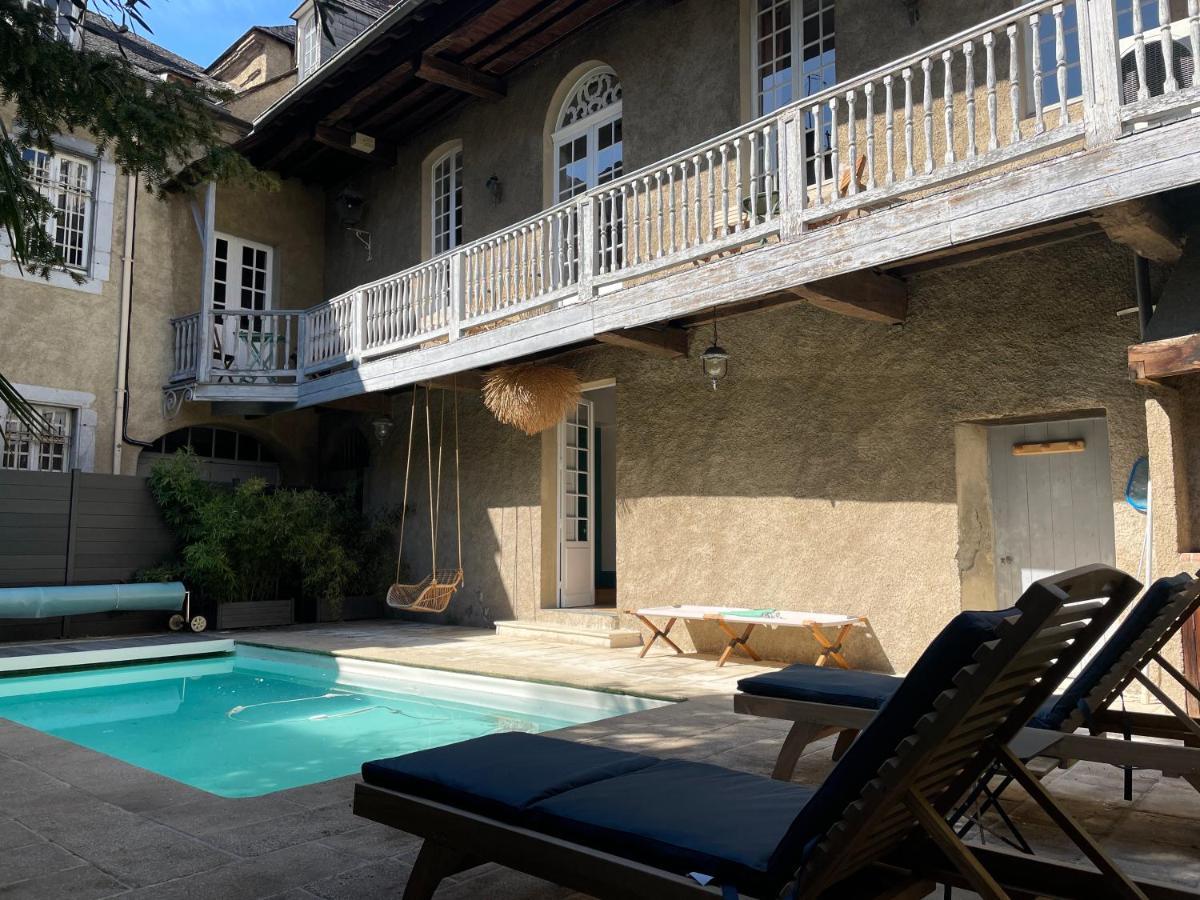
{"type": "Point", "coordinates": [626, 825]}
{"type": "Point", "coordinates": [821, 702]}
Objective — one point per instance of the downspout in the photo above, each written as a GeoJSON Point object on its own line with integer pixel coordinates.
{"type": "Point", "coordinates": [1141, 287]}
{"type": "Point", "coordinates": [121, 417]}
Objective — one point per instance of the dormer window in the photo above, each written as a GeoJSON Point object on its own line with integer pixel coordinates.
{"type": "Point", "coordinates": [66, 18]}
{"type": "Point", "coordinates": [308, 44]}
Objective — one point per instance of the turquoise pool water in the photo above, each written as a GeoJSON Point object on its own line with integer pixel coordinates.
{"type": "Point", "coordinates": [257, 721]}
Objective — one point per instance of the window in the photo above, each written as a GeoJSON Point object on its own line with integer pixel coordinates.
{"type": "Point", "coordinates": [588, 143]}
{"type": "Point", "coordinates": [1183, 59]}
{"type": "Point", "coordinates": [308, 45]}
{"type": "Point", "coordinates": [50, 451]}
{"type": "Point", "coordinates": [241, 281]}
{"type": "Point", "coordinates": [785, 31]}
{"type": "Point", "coordinates": [214, 443]}
{"type": "Point", "coordinates": [63, 24]}
{"type": "Point", "coordinates": [447, 198]}
{"type": "Point", "coordinates": [66, 181]}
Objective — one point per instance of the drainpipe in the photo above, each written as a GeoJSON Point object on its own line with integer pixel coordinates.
{"type": "Point", "coordinates": [121, 417]}
{"type": "Point", "coordinates": [1141, 287]}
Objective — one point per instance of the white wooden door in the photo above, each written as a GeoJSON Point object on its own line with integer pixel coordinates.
{"type": "Point", "coordinates": [241, 281]}
{"type": "Point", "coordinates": [1050, 512]}
{"type": "Point", "coordinates": [576, 513]}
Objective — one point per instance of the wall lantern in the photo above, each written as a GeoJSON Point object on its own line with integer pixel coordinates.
{"type": "Point", "coordinates": [382, 426]}
{"type": "Point", "coordinates": [495, 189]}
{"type": "Point", "coordinates": [714, 361]}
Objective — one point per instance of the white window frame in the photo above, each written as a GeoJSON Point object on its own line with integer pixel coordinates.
{"type": "Point", "coordinates": [800, 88]}
{"type": "Point", "coordinates": [56, 177]}
{"type": "Point", "coordinates": [99, 224]}
{"type": "Point", "coordinates": [82, 418]}
{"type": "Point", "coordinates": [52, 451]}
{"type": "Point", "coordinates": [235, 246]}
{"type": "Point", "coordinates": [589, 125]}
{"type": "Point", "coordinates": [308, 45]}
{"type": "Point", "coordinates": [445, 232]}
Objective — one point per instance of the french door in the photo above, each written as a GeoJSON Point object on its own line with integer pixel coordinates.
{"type": "Point", "coordinates": [576, 507]}
{"type": "Point", "coordinates": [241, 281]}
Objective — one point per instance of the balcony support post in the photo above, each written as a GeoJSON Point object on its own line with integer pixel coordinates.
{"type": "Point", "coordinates": [208, 249]}
{"type": "Point", "coordinates": [795, 174]}
{"type": "Point", "coordinates": [458, 293]}
{"type": "Point", "coordinates": [587, 248]}
{"type": "Point", "coordinates": [1099, 66]}
{"type": "Point", "coordinates": [301, 345]}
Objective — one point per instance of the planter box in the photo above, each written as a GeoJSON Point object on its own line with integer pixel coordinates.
{"type": "Point", "coordinates": [260, 614]}
{"type": "Point", "coordinates": [356, 608]}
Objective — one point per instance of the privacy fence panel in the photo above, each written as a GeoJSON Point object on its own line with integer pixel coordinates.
{"type": "Point", "coordinates": [77, 528]}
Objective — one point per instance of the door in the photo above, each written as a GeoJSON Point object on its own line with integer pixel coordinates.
{"type": "Point", "coordinates": [576, 513]}
{"type": "Point", "coordinates": [241, 281]}
{"type": "Point", "coordinates": [1050, 511]}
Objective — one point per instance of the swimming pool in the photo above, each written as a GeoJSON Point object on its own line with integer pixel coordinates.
{"type": "Point", "coordinates": [258, 720]}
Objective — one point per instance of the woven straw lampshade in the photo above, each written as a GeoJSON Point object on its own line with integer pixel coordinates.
{"type": "Point", "coordinates": [531, 397]}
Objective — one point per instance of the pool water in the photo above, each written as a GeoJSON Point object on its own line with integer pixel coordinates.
{"type": "Point", "coordinates": [257, 721]}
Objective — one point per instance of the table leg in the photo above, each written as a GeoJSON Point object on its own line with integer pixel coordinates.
{"type": "Point", "coordinates": [737, 642]}
{"type": "Point", "coordinates": [831, 649]}
{"type": "Point", "coordinates": [656, 634]}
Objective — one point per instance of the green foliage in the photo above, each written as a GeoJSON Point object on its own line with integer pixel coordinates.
{"type": "Point", "coordinates": [253, 542]}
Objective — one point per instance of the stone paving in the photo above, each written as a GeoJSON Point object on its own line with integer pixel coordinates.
{"type": "Point", "coordinates": [77, 824]}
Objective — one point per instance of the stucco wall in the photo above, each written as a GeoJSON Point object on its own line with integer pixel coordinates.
{"type": "Point", "coordinates": [822, 474]}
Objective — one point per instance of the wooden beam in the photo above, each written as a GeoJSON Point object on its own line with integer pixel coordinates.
{"type": "Point", "coordinates": [1006, 244]}
{"type": "Point", "coordinates": [863, 295]}
{"type": "Point", "coordinates": [1142, 226]}
{"type": "Point", "coordinates": [460, 78]}
{"type": "Point", "coordinates": [668, 342]}
{"type": "Point", "coordinates": [1154, 360]}
{"type": "Point", "coordinates": [343, 140]}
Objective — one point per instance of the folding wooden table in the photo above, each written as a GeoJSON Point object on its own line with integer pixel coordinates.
{"type": "Point", "coordinates": [725, 617]}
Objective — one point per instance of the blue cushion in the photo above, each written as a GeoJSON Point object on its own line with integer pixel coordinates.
{"type": "Point", "coordinates": [839, 687]}
{"type": "Point", "coordinates": [1054, 712]}
{"type": "Point", "coordinates": [501, 774]}
{"type": "Point", "coordinates": [685, 817]}
{"type": "Point", "coordinates": [933, 673]}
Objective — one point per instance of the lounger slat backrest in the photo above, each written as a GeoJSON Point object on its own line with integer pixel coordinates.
{"type": "Point", "coordinates": [1183, 603]}
{"type": "Point", "coordinates": [1032, 648]}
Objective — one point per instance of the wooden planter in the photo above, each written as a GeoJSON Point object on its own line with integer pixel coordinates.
{"type": "Point", "coordinates": [259, 614]}
{"type": "Point", "coordinates": [354, 609]}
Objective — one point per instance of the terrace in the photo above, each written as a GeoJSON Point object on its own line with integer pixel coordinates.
{"type": "Point", "coordinates": [77, 823]}
{"type": "Point", "coordinates": [1034, 127]}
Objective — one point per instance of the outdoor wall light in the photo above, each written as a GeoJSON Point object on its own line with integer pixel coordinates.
{"type": "Point", "coordinates": [714, 361]}
{"type": "Point", "coordinates": [382, 426]}
{"type": "Point", "coordinates": [495, 189]}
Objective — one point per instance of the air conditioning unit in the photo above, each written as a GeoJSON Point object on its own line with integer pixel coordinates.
{"type": "Point", "coordinates": [1156, 65]}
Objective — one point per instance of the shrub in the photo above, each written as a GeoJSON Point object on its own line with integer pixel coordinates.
{"type": "Point", "coordinates": [254, 542]}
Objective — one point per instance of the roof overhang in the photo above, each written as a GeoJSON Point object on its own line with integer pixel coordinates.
{"type": "Point", "coordinates": [414, 64]}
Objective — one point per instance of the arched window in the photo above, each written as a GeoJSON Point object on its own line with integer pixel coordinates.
{"type": "Point", "coordinates": [223, 454]}
{"type": "Point", "coordinates": [588, 149]}
{"type": "Point", "coordinates": [446, 194]}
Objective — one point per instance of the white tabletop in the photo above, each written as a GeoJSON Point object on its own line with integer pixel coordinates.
{"type": "Point", "coordinates": [786, 617]}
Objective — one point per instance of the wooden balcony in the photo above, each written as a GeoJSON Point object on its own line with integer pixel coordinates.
{"type": "Point", "coordinates": [973, 142]}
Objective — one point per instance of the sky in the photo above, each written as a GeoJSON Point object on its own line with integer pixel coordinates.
{"type": "Point", "coordinates": [200, 30]}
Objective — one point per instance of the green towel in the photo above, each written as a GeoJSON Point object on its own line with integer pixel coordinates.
{"type": "Point", "coordinates": [749, 613]}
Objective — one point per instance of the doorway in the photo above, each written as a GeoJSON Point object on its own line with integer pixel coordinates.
{"type": "Point", "coordinates": [587, 505]}
{"type": "Point", "coordinates": [1052, 502]}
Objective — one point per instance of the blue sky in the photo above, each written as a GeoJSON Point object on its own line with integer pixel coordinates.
{"type": "Point", "coordinates": [200, 29]}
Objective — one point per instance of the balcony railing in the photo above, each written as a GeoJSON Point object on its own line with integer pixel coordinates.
{"type": "Point", "coordinates": [1044, 79]}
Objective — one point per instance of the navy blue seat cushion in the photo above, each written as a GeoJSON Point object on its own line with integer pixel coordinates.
{"type": "Point", "coordinates": [813, 684]}
{"type": "Point", "coordinates": [684, 817]}
{"type": "Point", "coordinates": [933, 673]}
{"type": "Point", "coordinates": [1054, 712]}
{"type": "Point", "coordinates": [501, 775]}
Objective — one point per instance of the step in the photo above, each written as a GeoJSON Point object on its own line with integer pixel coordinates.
{"type": "Point", "coordinates": [585, 619]}
{"type": "Point", "coordinates": [566, 634]}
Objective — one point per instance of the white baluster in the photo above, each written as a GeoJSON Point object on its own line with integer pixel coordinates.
{"type": "Point", "coordinates": [818, 158]}
{"type": "Point", "coordinates": [1171, 85]}
{"type": "Point", "coordinates": [1194, 26]}
{"type": "Point", "coordinates": [927, 69]}
{"type": "Point", "coordinates": [993, 110]}
{"type": "Point", "coordinates": [737, 161]}
{"type": "Point", "coordinates": [852, 142]}
{"type": "Point", "coordinates": [698, 200]}
{"type": "Point", "coordinates": [1060, 63]}
{"type": "Point", "coordinates": [1014, 83]}
{"type": "Point", "coordinates": [671, 210]}
{"type": "Point", "coordinates": [833, 148]}
{"type": "Point", "coordinates": [889, 134]}
{"type": "Point", "coordinates": [909, 165]}
{"type": "Point", "coordinates": [1139, 52]}
{"type": "Point", "coordinates": [1035, 35]}
{"type": "Point", "coordinates": [948, 102]}
{"type": "Point", "coordinates": [712, 195]}
{"type": "Point", "coordinates": [869, 91]}
{"type": "Point", "coordinates": [684, 236]}
{"type": "Point", "coordinates": [969, 90]}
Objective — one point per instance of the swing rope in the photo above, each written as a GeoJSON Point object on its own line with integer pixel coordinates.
{"type": "Point", "coordinates": [434, 592]}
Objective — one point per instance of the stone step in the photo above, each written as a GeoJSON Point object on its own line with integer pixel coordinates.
{"type": "Point", "coordinates": [566, 634]}
{"type": "Point", "coordinates": [588, 619]}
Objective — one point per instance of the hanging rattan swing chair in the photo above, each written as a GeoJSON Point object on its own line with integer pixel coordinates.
{"type": "Point", "coordinates": [433, 593]}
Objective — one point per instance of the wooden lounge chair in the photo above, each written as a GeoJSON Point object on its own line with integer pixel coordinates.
{"type": "Point", "coordinates": [821, 702]}
{"type": "Point", "coordinates": [624, 825]}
